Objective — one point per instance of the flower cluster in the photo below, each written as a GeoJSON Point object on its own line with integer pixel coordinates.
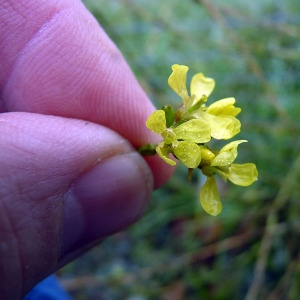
{"type": "Point", "coordinates": [187, 132]}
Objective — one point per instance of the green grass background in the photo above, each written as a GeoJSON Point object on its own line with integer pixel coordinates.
{"type": "Point", "coordinates": [177, 251]}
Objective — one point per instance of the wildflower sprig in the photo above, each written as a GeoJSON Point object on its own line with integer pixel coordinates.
{"type": "Point", "coordinates": [186, 134]}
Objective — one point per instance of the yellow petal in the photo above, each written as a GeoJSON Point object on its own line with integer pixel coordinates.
{"type": "Point", "coordinates": [224, 107]}
{"type": "Point", "coordinates": [201, 85]}
{"type": "Point", "coordinates": [157, 121]}
{"type": "Point", "coordinates": [163, 152]}
{"type": "Point", "coordinates": [222, 127]}
{"type": "Point", "coordinates": [189, 153]}
{"type": "Point", "coordinates": [227, 154]}
{"type": "Point", "coordinates": [195, 130]}
{"type": "Point", "coordinates": [177, 81]}
{"type": "Point", "coordinates": [242, 174]}
{"type": "Point", "coordinates": [209, 197]}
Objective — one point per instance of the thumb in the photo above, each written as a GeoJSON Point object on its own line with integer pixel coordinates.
{"type": "Point", "coordinates": [65, 184]}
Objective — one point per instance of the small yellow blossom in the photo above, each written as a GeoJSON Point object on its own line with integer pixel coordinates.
{"type": "Point", "coordinates": [201, 86]}
{"type": "Point", "coordinates": [220, 115]}
{"type": "Point", "coordinates": [222, 162]}
{"type": "Point", "coordinates": [186, 133]}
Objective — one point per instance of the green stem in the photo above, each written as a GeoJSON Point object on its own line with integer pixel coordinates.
{"type": "Point", "coordinates": [147, 150]}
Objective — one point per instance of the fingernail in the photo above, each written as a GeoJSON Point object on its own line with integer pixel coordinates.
{"type": "Point", "coordinates": [107, 198]}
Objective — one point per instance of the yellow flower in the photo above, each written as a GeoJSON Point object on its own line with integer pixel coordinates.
{"type": "Point", "coordinates": [185, 134]}
{"type": "Point", "coordinates": [239, 174]}
{"type": "Point", "coordinates": [201, 87]}
{"type": "Point", "coordinates": [220, 115]}
{"type": "Point", "coordinates": [181, 140]}
{"type": "Point", "coordinates": [222, 163]}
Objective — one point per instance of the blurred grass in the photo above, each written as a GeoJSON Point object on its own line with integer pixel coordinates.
{"type": "Point", "coordinates": [251, 250]}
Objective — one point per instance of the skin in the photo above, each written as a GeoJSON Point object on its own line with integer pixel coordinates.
{"type": "Point", "coordinates": [72, 114]}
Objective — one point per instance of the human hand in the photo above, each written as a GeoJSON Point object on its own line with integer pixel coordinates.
{"type": "Point", "coordinates": [71, 115]}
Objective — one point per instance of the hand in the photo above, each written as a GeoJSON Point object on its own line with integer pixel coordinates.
{"type": "Point", "coordinates": [71, 115]}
